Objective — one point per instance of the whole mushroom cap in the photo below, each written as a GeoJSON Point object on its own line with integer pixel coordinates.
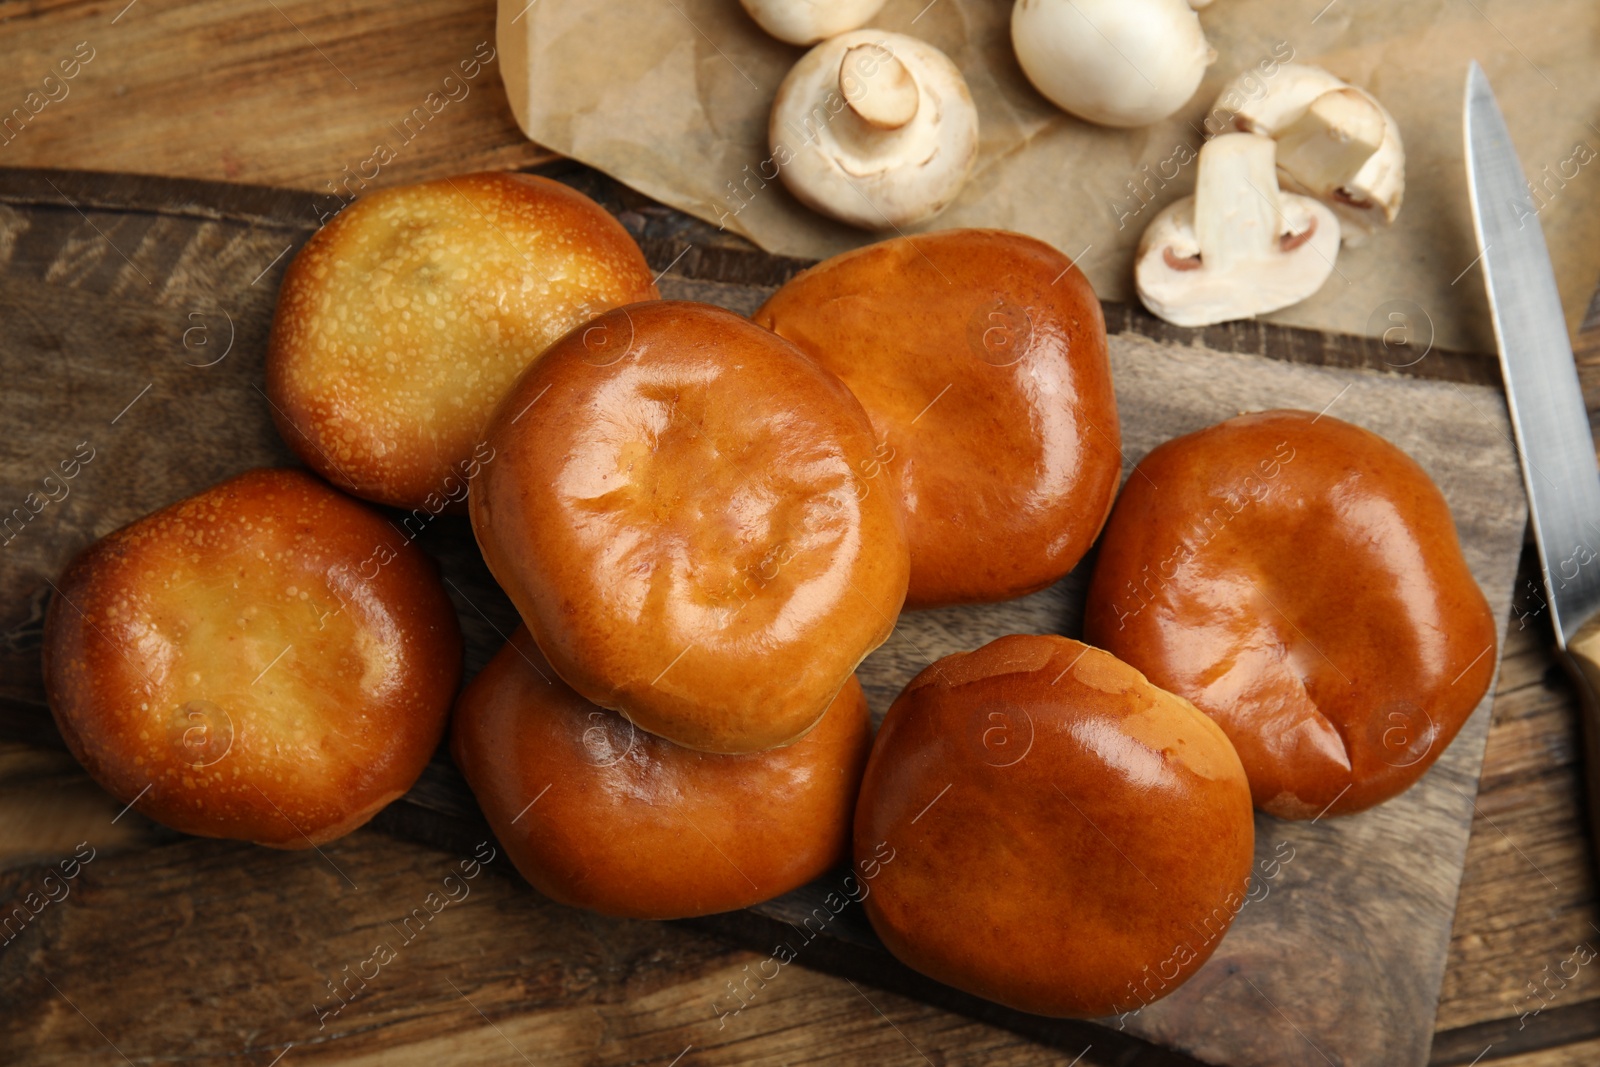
{"type": "Point", "coordinates": [1112, 62]}
{"type": "Point", "coordinates": [810, 21]}
{"type": "Point", "coordinates": [874, 129]}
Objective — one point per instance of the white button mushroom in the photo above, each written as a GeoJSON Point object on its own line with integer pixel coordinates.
{"type": "Point", "coordinates": [874, 129]}
{"type": "Point", "coordinates": [1335, 141]}
{"type": "Point", "coordinates": [1114, 62]}
{"type": "Point", "coordinates": [810, 21]}
{"type": "Point", "coordinates": [1238, 247]}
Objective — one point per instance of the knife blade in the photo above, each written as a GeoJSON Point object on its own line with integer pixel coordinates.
{"type": "Point", "coordinates": [1545, 399]}
{"type": "Point", "coordinates": [1547, 412]}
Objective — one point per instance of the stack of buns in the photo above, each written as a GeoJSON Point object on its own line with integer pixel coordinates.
{"type": "Point", "coordinates": [706, 522]}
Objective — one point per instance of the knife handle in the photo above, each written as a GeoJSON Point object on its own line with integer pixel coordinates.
{"type": "Point", "coordinates": [1583, 657]}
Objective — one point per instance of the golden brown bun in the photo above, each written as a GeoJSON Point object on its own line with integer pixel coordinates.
{"type": "Point", "coordinates": [1300, 580]}
{"type": "Point", "coordinates": [981, 357]}
{"type": "Point", "coordinates": [1042, 827]}
{"type": "Point", "coordinates": [268, 660]}
{"type": "Point", "coordinates": [599, 814]}
{"type": "Point", "coordinates": [677, 510]}
{"type": "Point", "coordinates": [404, 320]}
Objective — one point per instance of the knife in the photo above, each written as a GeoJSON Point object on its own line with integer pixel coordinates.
{"type": "Point", "coordinates": [1547, 412]}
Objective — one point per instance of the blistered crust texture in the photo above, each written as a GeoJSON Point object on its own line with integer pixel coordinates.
{"type": "Point", "coordinates": [268, 660]}
{"type": "Point", "coordinates": [403, 321]}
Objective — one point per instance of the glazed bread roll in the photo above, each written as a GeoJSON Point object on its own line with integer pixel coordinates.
{"type": "Point", "coordinates": [1042, 827]}
{"type": "Point", "coordinates": [599, 814]}
{"type": "Point", "coordinates": [403, 321]}
{"type": "Point", "coordinates": [678, 511]}
{"type": "Point", "coordinates": [981, 357]}
{"type": "Point", "coordinates": [268, 660]}
{"type": "Point", "coordinates": [1300, 580]}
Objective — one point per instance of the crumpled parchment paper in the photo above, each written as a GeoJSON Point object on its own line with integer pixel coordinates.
{"type": "Point", "coordinates": [671, 97]}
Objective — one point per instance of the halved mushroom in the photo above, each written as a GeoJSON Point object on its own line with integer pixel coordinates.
{"type": "Point", "coordinates": [1335, 141]}
{"type": "Point", "coordinates": [1238, 247]}
{"type": "Point", "coordinates": [1114, 62]}
{"type": "Point", "coordinates": [874, 129]}
{"type": "Point", "coordinates": [810, 21]}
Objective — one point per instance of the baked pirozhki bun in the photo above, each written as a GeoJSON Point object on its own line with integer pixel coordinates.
{"type": "Point", "coordinates": [681, 510]}
{"type": "Point", "coordinates": [1300, 580]}
{"type": "Point", "coordinates": [269, 660]}
{"type": "Point", "coordinates": [981, 357]}
{"type": "Point", "coordinates": [404, 320]}
{"type": "Point", "coordinates": [1042, 827]}
{"type": "Point", "coordinates": [599, 814]}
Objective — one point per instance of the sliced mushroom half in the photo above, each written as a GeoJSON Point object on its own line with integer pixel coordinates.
{"type": "Point", "coordinates": [1336, 142]}
{"type": "Point", "coordinates": [1238, 247]}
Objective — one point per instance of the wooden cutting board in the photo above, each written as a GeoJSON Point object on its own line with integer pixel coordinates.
{"type": "Point", "coordinates": [135, 316]}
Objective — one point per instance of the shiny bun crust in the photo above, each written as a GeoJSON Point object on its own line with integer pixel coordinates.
{"type": "Point", "coordinates": [1300, 580]}
{"type": "Point", "coordinates": [403, 321]}
{"type": "Point", "coordinates": [679, 510]}
{"type": "Point", "coordinates": [599, 814]}
{"type": "Point", "coordinates": [268, 660]}
{"type": "Point", "coordinates": [1042, 827]}
{"type": "Point", "coordinates": [981, 357]}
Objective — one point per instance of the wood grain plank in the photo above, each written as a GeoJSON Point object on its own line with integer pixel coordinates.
{"type": "Point", "coordinates": [227, 90]}
{"type": "Point", "coordinates": [233, 949]}
{"type": "Point", "coordinates": [1581, 1055]}
{"type": "Point", "coordinates": [1528, 893]}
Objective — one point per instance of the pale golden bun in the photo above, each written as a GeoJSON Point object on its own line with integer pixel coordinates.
{"type": "Point", "coordinates": [268, 660]}
{"type": "Point", "coordinates": [599, 814]}
{"type": "Point", "coordinates": [981, 357]}
{"type": "Point", "coordinates": [1042, 827]}
{"type": "Point", "coordinates": [403, 321]}
{"type": "Point", "coordinates": [679, 510]}
{"type": "Point", "coordinates": [1300, 580]}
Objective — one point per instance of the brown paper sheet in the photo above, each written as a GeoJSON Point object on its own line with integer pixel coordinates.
{"type": "Point", "coordinates": [671, 97]}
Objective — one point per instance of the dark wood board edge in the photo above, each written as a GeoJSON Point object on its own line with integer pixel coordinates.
{"type": "Point", "coordinates": [1497, 1039]}
{"type": "Point", "coordinates": [751, 930]}
{"type": "Point", "coordinates": [1483, 1042]}
{"type": "Point", "coordinates": [413, 820]}
{"type": "Point", "coordinates": [256, 205]}
{"type": "Point", "coordinates": [762, 929]}
{"type": "Point", "coordinates": [699, 250]}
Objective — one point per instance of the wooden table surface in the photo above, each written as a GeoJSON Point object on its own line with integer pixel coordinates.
{"type": "Point", "coordinates": [291, 92]}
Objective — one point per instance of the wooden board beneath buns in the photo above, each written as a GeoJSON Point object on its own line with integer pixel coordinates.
{"type": "Point", "coordinates": [139, 327]}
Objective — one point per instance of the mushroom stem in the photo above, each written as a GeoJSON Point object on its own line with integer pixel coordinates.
{"type": "Point", "coordinates": [1336, 142]}
{"type": "Point", "coordinates": [878, 87]}
{"type": "Point", "coordinates": [1327, 146]}
{"type": "Point", "coordinates": [1237, 215]}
